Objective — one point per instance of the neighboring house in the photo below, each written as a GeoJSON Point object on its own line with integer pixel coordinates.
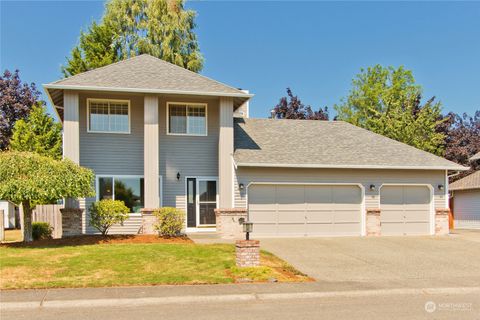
{"type": "Point", "coordinates": [8, 214]}
{"type": "Point", "coordinates": [159, 135]}
{"type": "Point", "coordinates": [466, 200]}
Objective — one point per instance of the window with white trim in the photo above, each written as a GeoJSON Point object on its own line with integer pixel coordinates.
{"type": "Point", "coordinates": [187, 118]}
{"type": "Point", "coordinates": [130, 190]}
{"type": "Point", "coordinates": [108, 116]}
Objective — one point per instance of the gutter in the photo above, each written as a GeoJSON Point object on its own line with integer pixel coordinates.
{"type": "Point", "coordinates": [140, 90]}
{"type": "Point", "coordinates": [321, 166]}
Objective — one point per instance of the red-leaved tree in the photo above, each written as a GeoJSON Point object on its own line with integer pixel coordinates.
{"type": "Point", "coordinates": [462, 139]}
{"type": "Point", "coordinates": [16, 101]}
{"type": "Point", "coordinates": [291, 107]}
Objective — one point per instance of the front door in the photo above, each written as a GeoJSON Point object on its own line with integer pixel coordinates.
{"type": "Point", "coordinates": [201, 202]}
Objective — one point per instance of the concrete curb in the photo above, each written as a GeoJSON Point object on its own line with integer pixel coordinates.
{"type": "Point", "coordinates": [136, 302]}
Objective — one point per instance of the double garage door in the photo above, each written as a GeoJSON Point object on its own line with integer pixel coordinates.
{"type": "Point", "coordinates": [280, 210]}
{"type": "Point", "coordinates": [305, 210]}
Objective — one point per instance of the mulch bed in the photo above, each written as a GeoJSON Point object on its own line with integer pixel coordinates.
{"type": "Point", "coordinates": [99, 239]}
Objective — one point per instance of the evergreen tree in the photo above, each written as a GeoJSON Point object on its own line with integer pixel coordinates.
{"type": "Point", "coordinates": [38, 133]}
{"type": "Point", "coordinates": [161, 28]}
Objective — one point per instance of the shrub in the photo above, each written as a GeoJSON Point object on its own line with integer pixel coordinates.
{"type": "Point", "coordinates": [41, 230]}
{"type": "Point", "coordinates": [170, 221]}
{"type": "Point", "coordinates": [105, 213]}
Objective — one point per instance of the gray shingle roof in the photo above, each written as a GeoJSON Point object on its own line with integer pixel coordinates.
{"type": "Point", "coordinates": [145, 72]}
{"type": "Point", "coordinates": [475, 157]}
{"type": "Point", "coordinates": [472, 181]}
{"type": "Point", "coordinates": [325, 144]}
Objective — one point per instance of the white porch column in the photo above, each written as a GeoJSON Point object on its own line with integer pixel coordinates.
{"type": "Point", "coordinates": [71, 134]}
{"type": "Point", "coordinates": [225, 153]}
{"type": "Point", "coordinates": [71, 131]}
{"type": "Point", "coordinates": [151, 152]}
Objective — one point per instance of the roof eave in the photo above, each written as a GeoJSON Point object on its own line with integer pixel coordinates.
{"type": "Point", "coordinates": [145, 90]}
{"type": "Point", "coordinates": [323, 166]}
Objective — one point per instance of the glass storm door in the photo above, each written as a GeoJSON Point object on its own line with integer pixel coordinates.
{"type": "Point", "coordinates": [207, 202]}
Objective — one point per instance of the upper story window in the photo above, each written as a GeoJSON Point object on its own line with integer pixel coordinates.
{"type": "Point", "coordinates": [187, 118]}
{"type": "Point", "coordinates": [108, 116]}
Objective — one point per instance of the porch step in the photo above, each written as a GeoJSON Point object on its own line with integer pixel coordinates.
{"type": "Point", "coordinates": [130, 226]}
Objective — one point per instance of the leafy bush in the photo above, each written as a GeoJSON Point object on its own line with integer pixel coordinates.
{"type": "Point", "coordinates": [170, 221]}
{"type": "Point", "coordinates": [105, 213]}
{"type": "Point", "coordinates": [41, 230]}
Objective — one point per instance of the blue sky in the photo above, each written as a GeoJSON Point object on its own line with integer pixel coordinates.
{"type": "Point", "coordinates": [313, 47]}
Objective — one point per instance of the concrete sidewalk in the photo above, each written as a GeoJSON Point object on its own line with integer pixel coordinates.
{"type": "Point", "coordinates": [135, 296]}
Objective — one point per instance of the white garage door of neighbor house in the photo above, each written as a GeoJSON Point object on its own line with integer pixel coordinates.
{"type": "Point", "coordinates": [466, 209]}
{"type": "Point", "coordinates": [305, 210]}
{"type": "Point", "coordinates": [405, 210]}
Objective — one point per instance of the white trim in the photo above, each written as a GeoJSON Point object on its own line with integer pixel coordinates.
{"type": "Point", "coordinates": [197, 203]}
{"type": "Point", "coordinates": [108, 100]}
{"type": "Point", "coordinates": [432, 199]}
{"type": "Point", "coordinates": [187, 104]}
{"type": "Point", "coordinates": [326, 166]}
{"type": "Point", "coordinates": [54, 107]}
{"type": "Point", "coordinates": [445, 187]}
{"type": "Point", "coordinates": [363, 213]}
{"type": "Point", "coordinates": [143, 90]}
{"type": "Point", "coordinates": [97, 184]}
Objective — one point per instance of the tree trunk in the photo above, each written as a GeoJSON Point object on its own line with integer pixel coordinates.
{"type": "Point", "coordinates": [26, 221]}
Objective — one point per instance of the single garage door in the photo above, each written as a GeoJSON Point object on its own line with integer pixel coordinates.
{"type": "Point", "coordinates": [305, 210]}
{"type": "Point", "coordinates": [405, 210]}
{"type": "Point", "coordinates": [466, 209]}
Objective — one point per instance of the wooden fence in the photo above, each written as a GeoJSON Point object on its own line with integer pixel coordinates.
{"type": "Point", "coordinates": [51, 214]}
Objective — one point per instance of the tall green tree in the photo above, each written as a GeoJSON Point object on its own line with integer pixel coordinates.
{"type": "Point", "coordinates": [95, 49]}
{"type": "Point", "coordinates": [29, 179]}
{"type": "Point", "coordinates": [387, 100]}
{"type": "Point", "coordinates": [161, 28]}
{"type": "Point", "coordinates": [38, 133]}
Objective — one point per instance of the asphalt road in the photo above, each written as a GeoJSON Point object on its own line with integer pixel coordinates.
{"type": "Point", "coordinates": [401, 306]}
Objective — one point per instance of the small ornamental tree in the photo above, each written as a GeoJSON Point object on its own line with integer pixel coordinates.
{"type": "Point", "coordinates": [28, 179]}
{"type": "Point", "coordinates": [105, 213]}
{"type": "Point", "coordinates": [38, 133]}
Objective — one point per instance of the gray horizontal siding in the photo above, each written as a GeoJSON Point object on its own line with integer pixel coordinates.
{"type": "Point", "coordinates": [188, 155]}
{"type": "Point", "coordinates": [364, 177]}
{"type": "Point", "coordinates": [113, 153]}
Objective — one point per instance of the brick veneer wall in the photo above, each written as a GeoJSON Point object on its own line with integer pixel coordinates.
{"type": "Point", "coordinates": [373, 222]}
{"type": "Point", "coordinates": [71, 221]}
{"type": "Point", "coordinates": [441, 221]}
{"type": "Point", "coordinates": [228, 222]}
{"type": "Point", "coordinates": [148, 221]}
{"type": "Point", "coordinates": [247, 253]}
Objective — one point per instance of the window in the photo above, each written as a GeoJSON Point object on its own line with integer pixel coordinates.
{"type": "Point", "coordinates": [108, 116]}
{"type": "Point", "coordinates": [187, 119]}
{"type": "Point", "coordinates": [127, 189]}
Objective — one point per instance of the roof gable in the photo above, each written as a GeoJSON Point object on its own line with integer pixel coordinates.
{"type": "Point", "coordinates": [144, 74]}
{"type": "Point", "coordinates": [325, 144]}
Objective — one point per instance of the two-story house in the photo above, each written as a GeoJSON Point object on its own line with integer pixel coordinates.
{"type": "Point", "coordinates": [156, 135]}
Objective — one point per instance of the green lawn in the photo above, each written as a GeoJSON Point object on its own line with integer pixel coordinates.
{"type": "Point", "coordinates": [131, 264]}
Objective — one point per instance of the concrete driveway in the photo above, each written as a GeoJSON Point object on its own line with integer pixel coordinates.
{"type": "Point", "coordinates": [419, 261]}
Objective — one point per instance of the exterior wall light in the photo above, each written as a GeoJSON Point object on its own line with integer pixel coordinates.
{"type": "Point", "coordinates": [241, 186]}
{"type": "Point", "coordinates": [440, 187]}
{"type": "Point", "coordinates": [372, 187]}
{"type": "Point", "coordinates": [247, 228]}
{"type": "Point", "coordinates": [178, 175]}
